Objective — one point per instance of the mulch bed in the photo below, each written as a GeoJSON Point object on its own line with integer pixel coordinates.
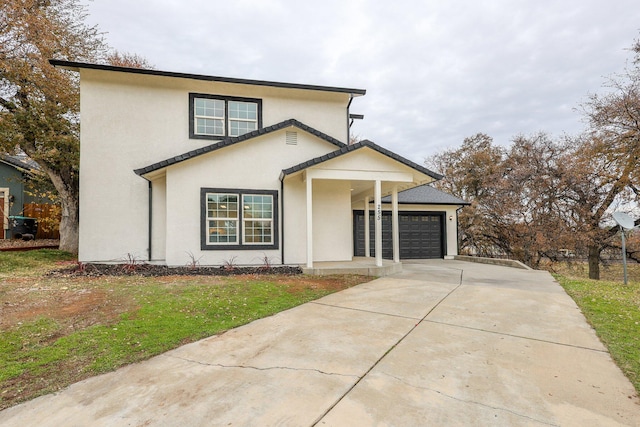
{"type": "Point", "coordinates": [150, 270]}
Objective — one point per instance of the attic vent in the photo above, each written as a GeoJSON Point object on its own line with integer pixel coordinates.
{"type": "Point", "coordinates": [291, 138]}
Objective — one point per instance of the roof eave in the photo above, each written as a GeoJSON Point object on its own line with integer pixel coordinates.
{"type": "Point", "coordinates": [429, 203]}
{"type": "Point", "coordinates": [77, 66]}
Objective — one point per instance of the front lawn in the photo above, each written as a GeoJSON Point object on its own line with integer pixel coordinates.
{"type": "Point", "coordinates": [55, 331]}
{"type": "Point", "coordinates": [613, 310]}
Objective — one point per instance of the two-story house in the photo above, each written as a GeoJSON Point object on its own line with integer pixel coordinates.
{"type": "Point", "coordinates": [176, 166]}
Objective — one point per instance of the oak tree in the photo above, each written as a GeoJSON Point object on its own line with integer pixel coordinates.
{"type": "Point", "coordinates": [468, 172]}
{"type": "Point", "coordinates": [610, 152]}
{"type": "Point", "coordinates": [39, 104]}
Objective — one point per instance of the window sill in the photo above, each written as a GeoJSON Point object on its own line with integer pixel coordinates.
{"type": "Point", "coordinates": [238, 247]}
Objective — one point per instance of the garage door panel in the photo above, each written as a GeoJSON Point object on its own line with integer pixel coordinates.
{"type": "Point", "coordinates": [421, 235]}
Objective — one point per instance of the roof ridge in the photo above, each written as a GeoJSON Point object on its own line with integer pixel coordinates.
{"type": "Point", "coordinates": [225, 142]}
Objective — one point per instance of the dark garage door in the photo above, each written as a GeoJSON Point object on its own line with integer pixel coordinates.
{"type": "Point", "coordinates": [421, 234]}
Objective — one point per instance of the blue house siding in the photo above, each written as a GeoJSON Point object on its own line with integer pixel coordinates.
{"type": "Point", "coordinates": [13, 179]}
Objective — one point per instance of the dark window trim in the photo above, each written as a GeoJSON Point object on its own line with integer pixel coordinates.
{"type": "Point", "coordinates": [240, 246]}
{"type": "Point", "coordinates": [226, 99]}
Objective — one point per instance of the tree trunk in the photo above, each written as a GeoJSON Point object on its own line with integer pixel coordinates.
{"type": "Point", "coordinates": [594, 262]}
{"type": "Point", "coordinates": [69, 223]}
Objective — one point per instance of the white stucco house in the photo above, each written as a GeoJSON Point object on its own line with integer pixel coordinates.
{"type": "Point", "coordinates": [174, 166]}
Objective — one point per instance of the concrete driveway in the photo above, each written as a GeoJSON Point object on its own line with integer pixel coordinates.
{"type": "Point", "coordinates": [442, 343]}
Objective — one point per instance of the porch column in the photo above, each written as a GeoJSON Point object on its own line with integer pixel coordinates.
{"type": "Point", "coordinates": [378, 217]}
{"type": "Point", "coordinates": [395, 230]}
{"type": "Point", "coordinates": [309, 223]}
{"type": "Point", "coordinates": [367, 231]}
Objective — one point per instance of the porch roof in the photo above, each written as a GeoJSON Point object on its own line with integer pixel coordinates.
{"type": "Point", "coordinates": [426, 195]}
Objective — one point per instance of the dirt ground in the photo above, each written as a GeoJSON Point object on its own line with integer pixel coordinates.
{"type": "Point", "coordinates": [79, 302]}
{"type": "Point", "coordinates": [6, 244]}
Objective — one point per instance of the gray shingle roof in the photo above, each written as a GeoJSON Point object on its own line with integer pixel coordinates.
{"type": "Point", "coordinates": [14, 161]}
{"type": "Point", "coordinates": [426, 194]}
{"type": "Point", "coordinates": [234, 140]}
{"type": "Point", "coordinates": [349, 148]}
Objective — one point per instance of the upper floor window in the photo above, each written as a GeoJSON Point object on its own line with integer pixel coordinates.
{"type": "Point", "coordinates": [214, 117]}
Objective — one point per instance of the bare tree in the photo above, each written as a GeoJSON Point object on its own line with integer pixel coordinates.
{"type": "Point", "coordinates": [521, 199]}
{"type": "Point", "coordinates": [468, 173]}
{"type": "Point", "coordinates": [527, 210]}
{"type": "Point", "coordinates": [610, 152]}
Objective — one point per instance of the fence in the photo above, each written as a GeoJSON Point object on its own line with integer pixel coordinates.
{"type": "Point", "coordinates": [48, 216]}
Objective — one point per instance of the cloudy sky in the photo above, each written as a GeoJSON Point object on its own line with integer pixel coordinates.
{"type": "Point", "coordinates": [435, 71]}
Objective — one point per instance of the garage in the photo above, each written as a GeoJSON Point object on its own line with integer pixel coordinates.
{"type": "Point", "coordinates": [422, 234]}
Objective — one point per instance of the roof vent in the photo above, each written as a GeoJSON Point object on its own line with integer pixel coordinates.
{"type": "Point", "coordinates": [291, 138]}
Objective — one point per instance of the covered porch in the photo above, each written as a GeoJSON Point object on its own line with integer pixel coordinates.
{"type": "Point", "coordinates": [361, 173]}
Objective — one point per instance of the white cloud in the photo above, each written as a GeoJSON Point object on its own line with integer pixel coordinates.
{"type": "Point", "coordinates": [435, 72]}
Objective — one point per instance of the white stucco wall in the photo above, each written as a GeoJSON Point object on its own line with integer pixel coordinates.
{"type": "Point", "coordinates": [294, 228]}
{"type": "Point", "coordinates": [332, 222]}
{"type": "Point", "coordinates": [159, 219]}
{"type": "Point", "coordinates": [253, 165]}
{"type": "Point", "coordinates": [130, 121]}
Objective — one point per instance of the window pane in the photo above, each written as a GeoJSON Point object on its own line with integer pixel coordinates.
{"type": "Point", "coordinates": [209, 107]}
{"type": "Point", "coordinates": [257, 232]}
{"type": "Point", "coordinates": [209, 116]}
{"type": "Point", "coordinates": [237, 128]}
{"type": "Point", "coordinates": [243, 117]}
{"type": "Point", "coordinates": [258, 218]}
{"type": "Point", "coordinates": [209, 126]}
{"type": "Point", "coordinates": [243, 110]}
{"type": "Point", "coordinates": [223, 231]}
{"type": "Point", "coordinates": [222, 206]}
{"type": "Point", "coordinates": [257, 206]}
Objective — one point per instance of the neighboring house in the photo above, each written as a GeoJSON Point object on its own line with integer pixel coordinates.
{"type": "Point", "coordinates": [14, 175]}
{"type": "Point", "coordinates": [176, 167]}
{"type": "Point", "coordinates": [21, 194]}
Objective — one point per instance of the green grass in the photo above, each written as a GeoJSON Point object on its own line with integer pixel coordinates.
{"type": "Point", "coordinates": [166, 317]}
{"type": "Point", "coordinates": [21, 263]}
{"type": "Point", "coordinates": [146, 317]}
{"type": "Point", "coordinates": [613, 310]}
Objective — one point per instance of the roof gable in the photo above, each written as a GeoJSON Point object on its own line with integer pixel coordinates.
{"type": "Point", "coordinates": [359, 145]}
{"type": "Point", "coordinates": [234, 140]}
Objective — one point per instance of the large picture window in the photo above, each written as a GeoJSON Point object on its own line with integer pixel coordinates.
{"type": "Point", "coordinates": [239, 219]}
{"type": "Point", "coordinates": [214, 117]}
